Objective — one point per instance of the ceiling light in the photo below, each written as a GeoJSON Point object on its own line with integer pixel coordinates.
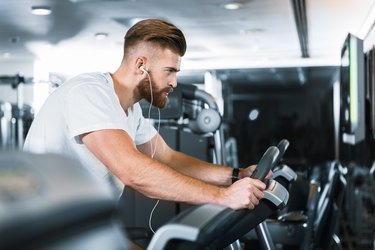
{"type": "Point", "coordinates": [101, 35]}
{"type": "Point", "coordinates": [41, 10]}
{"type": "Point", "coordinates": [232, 5]}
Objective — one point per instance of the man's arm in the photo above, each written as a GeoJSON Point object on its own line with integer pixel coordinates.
{"type": "Point", "coordinates": [205, 171]}
{"type": "Point", "coordinates": [116, 150]}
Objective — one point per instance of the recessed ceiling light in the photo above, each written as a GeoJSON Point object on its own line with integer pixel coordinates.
{"type": "Point", "coordinates": [41, 10]}
{"type": "Point", "coordinates": [232, 5]}
{"type": "Point", "coordinates": [101, 35]}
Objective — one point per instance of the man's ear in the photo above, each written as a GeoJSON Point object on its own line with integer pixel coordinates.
{"type": "Point", "coordinates": [140, 64]}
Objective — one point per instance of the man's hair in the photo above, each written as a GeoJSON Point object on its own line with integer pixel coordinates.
{"type": "Point", "coordinates": [157, 31]}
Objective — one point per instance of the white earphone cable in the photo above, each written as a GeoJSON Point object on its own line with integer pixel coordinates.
{"type": "Point", "coordinates": [153, 149]}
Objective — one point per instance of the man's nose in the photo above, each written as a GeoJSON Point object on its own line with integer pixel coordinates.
{"type": "Point", "coordinates": [173, 83]}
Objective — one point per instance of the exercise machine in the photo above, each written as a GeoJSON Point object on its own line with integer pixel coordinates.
{"type": "Point", "coordinates": [316, 227]}
{"type": "Point", "coordinates": [216, 227]}
{"type": "Point", "coordinates": [52, 202]}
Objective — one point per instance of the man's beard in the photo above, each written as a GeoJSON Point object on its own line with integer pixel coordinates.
{"type": "Point", "coordinates": [159, 99]}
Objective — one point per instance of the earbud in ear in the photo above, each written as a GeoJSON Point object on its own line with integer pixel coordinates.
{"type": "Point", "coordinates": [143, 69]}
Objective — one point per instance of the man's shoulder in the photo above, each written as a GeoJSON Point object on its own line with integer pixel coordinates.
{"type": "Point", "coordinates": [85, 82]}
{"type": "Point", "coordinates": [92, 77]}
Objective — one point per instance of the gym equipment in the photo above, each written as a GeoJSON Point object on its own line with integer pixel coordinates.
{"type": "Point", "coordinates": [282, 173]}
{"type": "Point", "coordinates": [276, 197]}
{"type": "Point", "coordinates": [200, 109]}
{"type": "Point", "coordinates": [360, 204]}
{"type": "Point", "coordinates": [52, 202]}
{"type": "Point", "coordinates": [215, 227]}
{"type": "Point", "coordinates": [282, 146]}
{"type": "Point", "coordinates": [315, 228]}
{"type": "Point", "coordinates": [203, 125]}
{"type": "Point", "coordinates": [194, 228]}
{"type": "Point", "coordinates": [329, 207]}
{"type": "Point", "coordinates": [15, 119]}
{"type": "Point", "coordinates": [203, 120]}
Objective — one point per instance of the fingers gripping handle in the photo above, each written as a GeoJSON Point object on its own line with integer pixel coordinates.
{"type": "Point", "coordinates": [266, 163]}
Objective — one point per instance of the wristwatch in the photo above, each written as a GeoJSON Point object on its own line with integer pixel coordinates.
{"type": "Point", "coordinates": [235, 175]}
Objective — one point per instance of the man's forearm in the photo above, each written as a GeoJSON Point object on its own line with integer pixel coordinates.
{"type": "Point", "coordinates": [156, 180]}
{"type": "Point", "coordinates": [207, 172]}
{"type": "Point", "coordinates": [159, 181]}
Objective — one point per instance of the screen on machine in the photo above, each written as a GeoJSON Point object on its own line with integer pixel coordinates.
{"type": "Point", "coordinates": [345, 92]}
{"type": "Point", "coordinates": [370, 86]}
{"type": "Point", "coordinates": [352, 82]}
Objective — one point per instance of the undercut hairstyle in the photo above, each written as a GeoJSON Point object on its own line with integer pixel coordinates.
{"type": "Point", "coordinates": [158, 32]}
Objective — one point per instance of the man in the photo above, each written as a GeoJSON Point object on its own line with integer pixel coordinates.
{"type": "Point", "coordinates": [96, 118]}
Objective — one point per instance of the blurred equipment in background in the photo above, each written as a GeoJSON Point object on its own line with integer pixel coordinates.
{"type": "Point", "coordinates": [15, 118]}
{"type": "Point", "coordinates": [52, 202]}
{"type": "Point", "coordinates": [14, 124]}
{"type": "Point", "coordinates": [194, 112]}
{"type": "Point", "coordinates": [360, 206]}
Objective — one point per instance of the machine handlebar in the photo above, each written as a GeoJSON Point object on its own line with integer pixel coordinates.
{"type": "Point", "coordinates": [266, 163]}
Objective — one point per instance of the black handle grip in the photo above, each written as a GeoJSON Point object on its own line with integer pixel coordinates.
{"type": "Point", "coordinates": [266, 163]}
{"type": "Point", "coordinates": [282, 146]}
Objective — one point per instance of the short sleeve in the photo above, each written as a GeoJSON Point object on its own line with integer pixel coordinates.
{"type": "Point", "coordinates": [92, 107]}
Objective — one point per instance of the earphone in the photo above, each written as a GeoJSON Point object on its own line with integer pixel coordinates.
{"type": "Point", "coordinates": [153, 151]}
{"type": "Point", "coordinates": [143, 69]}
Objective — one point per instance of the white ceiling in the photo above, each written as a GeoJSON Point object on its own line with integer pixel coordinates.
{"type": "Point", "coordinates": [261, 34]}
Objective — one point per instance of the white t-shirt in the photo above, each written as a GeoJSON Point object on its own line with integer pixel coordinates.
{"type": "Point", "coordinates": [85, 103]}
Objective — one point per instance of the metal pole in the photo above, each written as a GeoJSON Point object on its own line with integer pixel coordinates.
{"type": "Point", "coordinates": [264, 236]}
{"type": "Point", "coordinates": [20, 114]}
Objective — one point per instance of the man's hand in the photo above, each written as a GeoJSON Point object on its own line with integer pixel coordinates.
{"type": "Point", "coordinates": [246, 172]}
{"type": "Point", "coordinates": [244, 193]}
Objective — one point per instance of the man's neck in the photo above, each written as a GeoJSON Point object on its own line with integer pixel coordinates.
{"type": "Point", "coordinates": [124, 91]}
